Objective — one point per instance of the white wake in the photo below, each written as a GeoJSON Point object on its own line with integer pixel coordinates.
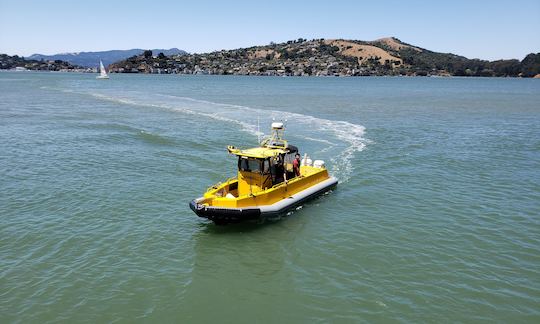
{"type": "Point", "coordinates": [338, 141]}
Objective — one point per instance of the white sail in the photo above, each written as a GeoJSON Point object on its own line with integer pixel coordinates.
{"type": "Point", "coordinates": [102, 72]}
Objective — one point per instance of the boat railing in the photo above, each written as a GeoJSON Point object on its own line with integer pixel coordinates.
{"type": "Point", "coordinates": [219, 184]}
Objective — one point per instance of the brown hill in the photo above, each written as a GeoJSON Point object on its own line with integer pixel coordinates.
{"type": "Point", "coordinates": [363, 52]}
{"type": "Point", "coordinates": [325, 57]}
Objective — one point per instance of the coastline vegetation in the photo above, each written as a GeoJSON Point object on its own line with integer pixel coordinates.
{"type": "Point", "coordinates": [16, 62]}
{"type": "Point", "coordinates": [302, 57]}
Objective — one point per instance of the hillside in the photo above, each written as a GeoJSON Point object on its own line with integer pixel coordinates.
{"type": "Point", "coordinates": [328, 57]}
{"type": "Point", "coordinates": [91, 59]}
{"type": "Point", "coordinates": [16, 62]}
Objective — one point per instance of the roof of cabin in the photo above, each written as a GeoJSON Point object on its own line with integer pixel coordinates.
{"type": "Point", "coordinates": [262, 152]}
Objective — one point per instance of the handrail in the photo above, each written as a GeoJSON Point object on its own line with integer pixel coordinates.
{"type": "Point", "coordinates": [217, 185]}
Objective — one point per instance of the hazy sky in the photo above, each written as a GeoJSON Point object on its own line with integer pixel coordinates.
{"type": "Point", "coordinates": [475, 29]}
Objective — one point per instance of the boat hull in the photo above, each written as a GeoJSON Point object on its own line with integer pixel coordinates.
{"type": "Point", "coordinates": [224, 215]}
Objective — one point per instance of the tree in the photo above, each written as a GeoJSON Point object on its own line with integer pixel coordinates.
{"type": "Point", "coordinates": [160, 56]}
{"type": "Point", "coordinates": [147, 54]}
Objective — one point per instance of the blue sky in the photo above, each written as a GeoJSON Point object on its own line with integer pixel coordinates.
{"type": "Point", "coordinates": [475, 29]}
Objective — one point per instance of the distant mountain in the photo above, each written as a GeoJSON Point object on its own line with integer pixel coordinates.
{"type": "Point", "coordinates": [91, 59]}
{"type": "Point", "coordinates": [330, 57]}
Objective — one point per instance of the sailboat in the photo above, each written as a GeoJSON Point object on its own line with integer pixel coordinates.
{"type": "Point", "coordinates": [102, 73]}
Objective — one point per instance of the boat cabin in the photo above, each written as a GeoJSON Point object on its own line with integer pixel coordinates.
{"type": "Point", "coordinates": [263, 167]}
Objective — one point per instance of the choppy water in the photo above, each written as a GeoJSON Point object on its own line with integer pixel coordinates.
{"type": "Point", "coordinates": [436, 218]}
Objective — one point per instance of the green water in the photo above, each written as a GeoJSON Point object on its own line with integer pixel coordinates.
{"type": "Point", "coordinates": [436, 217]}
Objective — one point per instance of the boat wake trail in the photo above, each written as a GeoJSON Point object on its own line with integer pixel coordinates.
{"type": "Point", "coordinates": [348, 137]}
{"type": "Point", "coordinates": [330, 140]}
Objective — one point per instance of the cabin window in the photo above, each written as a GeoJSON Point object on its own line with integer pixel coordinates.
{"type": "Point", "coordinates": [289, 158]}
{"type": "Point", "coordinates": [266, 166]}
{"type": "Point", "coordinates": [249, 165]}
{"type": "Point", "coordinates": [288, 161]}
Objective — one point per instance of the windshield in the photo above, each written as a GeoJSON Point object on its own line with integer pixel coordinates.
{"type": "Point", "coordinates": [249, 165]}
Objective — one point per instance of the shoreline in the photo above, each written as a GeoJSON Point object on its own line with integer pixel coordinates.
{"type": "Point", "coordinates": [281, 76]}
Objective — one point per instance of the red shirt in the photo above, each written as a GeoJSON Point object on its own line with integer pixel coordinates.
{"type": "Point", "coordinates": [296, 167]}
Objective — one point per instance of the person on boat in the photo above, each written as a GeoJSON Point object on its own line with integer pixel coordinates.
{"type": "Point", "coordinates": [296, 165]}
{"type": "Point", "coordinates": [278, 171]}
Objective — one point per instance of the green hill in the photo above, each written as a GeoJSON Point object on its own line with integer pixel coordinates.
{"type": "Point", "coordinates": [12, 62]}
{"type": "Point", "coordinates": [328, 57]}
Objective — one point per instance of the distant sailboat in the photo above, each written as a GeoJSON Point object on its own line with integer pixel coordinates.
{"type": "Point", "coordinates": [102, 73]}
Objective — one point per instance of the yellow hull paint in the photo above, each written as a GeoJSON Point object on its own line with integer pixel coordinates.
{"type": "Point", "coordinates": [252, 197]}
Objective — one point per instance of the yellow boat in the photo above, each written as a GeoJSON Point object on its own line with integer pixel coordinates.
{"type": "Point", "coordinates": [267, 185]}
